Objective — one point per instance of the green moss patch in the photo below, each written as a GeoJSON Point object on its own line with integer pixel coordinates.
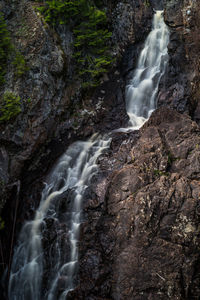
{"type": "Point", "coordinates": [10, 106]}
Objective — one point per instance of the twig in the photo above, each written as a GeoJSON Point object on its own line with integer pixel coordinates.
{"type": "Point", "coordinates": [160, 277]}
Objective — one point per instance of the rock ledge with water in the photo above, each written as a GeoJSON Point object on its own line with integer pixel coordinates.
{"type": "Point", "coordinates": [145, 242]}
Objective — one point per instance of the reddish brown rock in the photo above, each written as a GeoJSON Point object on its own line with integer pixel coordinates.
{"type": "Point", "coordinates": [145, 244]}
{"type": "Point", "coordinates": [180, 87]}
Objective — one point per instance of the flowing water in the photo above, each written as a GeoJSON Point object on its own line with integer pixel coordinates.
{"type": "Point", "coordinates": [72, 174]}
{"type": "Point", "coordinates": [50, 241]}
{"type": "Point", "coordinates": [142, 90]}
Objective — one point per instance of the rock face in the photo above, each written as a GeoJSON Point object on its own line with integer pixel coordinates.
{"type": "Point", "coordinates": [57, 111]}
{"type": "Point", "coordinates": [54, 111]}
{"type": "Point", "coordinates": [141, 241]}
{"type": "Point", "coordinates": [181, 83]}
{"type": "Point", "coordinates": [140, 235]}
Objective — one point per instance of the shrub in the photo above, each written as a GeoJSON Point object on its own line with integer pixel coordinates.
{"type": "Point", "coordinates": [59, 11]}
{"type": "Point", "coordinates": [20, 64]}
{"type": "Point", "coordinates": [10, 106]}
{"type": "Point", "coordinates": [147, 3]}
{"type": "Point", "coordinates": [90, 27]}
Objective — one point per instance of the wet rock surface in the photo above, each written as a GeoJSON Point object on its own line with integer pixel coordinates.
{"type": "Point", "coordinates": [54, 111]}
{"type": "Point", "coordinates": [141, 236]}
{"type": "Point", "coordinates": [180, 87]}
{"type": "Point", "coordinates": [57, 113]}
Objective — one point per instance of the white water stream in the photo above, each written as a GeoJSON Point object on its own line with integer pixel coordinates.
{"type": "Point", "coordinates": [73, 172]}
{"type": "Point", "coordinates": [62, 197]}
{"type": "Point", "coordinates": [141, 92]}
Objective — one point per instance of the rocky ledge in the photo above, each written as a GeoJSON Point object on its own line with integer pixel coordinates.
{"type": "Point", "coordinates": [141, 239]}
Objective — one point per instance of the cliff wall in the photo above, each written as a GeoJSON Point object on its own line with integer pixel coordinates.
{"type": "Point", "coordinates": [140, 235]}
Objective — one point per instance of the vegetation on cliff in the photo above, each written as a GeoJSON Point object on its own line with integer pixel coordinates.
{"type": "Point", "coordinates": [19, 64]}
{"type": "Point", "coordinates": [5, 48]}
{"type": "Point", "coordinates": [10, 106]}
{"type": "Point", "coordinates": [89, 24]}
{"type": "Point", "coordinates": [8, 52]}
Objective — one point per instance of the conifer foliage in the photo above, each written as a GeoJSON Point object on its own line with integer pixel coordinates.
{"type": "Point", "coordinates": [91, 35]}
{"type": "Point", "coordinates": [10, 106]}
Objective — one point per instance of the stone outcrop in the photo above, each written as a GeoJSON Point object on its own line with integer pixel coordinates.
{"type": "Point", "coordinates": [53, 108]}
{"type": "Point", "coordinates": [140, 235]}
{"type": "Point", "coordinates": [55, 112]}
{"type": "Point", "coordinates": [141, 239]}
{"type": "Point", "coordinates": [181, 83]}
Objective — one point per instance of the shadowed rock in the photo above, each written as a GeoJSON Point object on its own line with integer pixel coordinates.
{"type": "Point", "coordinates": [145, 243]}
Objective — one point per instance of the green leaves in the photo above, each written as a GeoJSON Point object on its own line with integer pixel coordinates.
{"type": "Point", "coordinates": [58, 11]}
{"type": "Point", "coordinates": [10, 106]}
{"type": "Point", "coordinates": [91, 35]}
{"type": "Point", "coordinates": [20, 64]}
{"type": "Point", "coordinates": [92, 52]}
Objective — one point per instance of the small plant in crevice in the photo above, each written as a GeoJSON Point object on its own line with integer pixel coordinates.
{"type": "Point", "coordinates": [147, 3]}
{"type": "Point", "coordinates": [2, 223]}
{"type": "Point", "coordinates": [171, 159]}
{"type": "Point", "coordinates": [160, 173]}
{"type": "Point", "coordinates": [89, 24]}
{"type": "Point", "coordinates": [19, 64]}
{"type": "Point", "coordinates": [10, 106]}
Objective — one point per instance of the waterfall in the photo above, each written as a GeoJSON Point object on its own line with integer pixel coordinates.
{"type": "Point", "coordinates": [142, 90]}
{"type": "Point", "coordinates": [72, 174]}
{"type": "Point", "coordinates": [46, 241]}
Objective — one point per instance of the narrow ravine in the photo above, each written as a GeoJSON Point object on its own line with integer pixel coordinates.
{"type": "Point", "coordinates": [45, 264]}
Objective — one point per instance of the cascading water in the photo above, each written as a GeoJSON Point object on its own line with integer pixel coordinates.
{"type": "Point", "coordinates": [72, 174]}
{"type": "Point", "coordinates": [59, 211]}
{"type": "Point", "coordinates": [142, 90]}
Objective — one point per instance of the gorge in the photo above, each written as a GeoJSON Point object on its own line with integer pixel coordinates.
{"type": "Point", "coordinates": [73, 174]}
{"type": "Point", "coordinates": [118, 215]}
